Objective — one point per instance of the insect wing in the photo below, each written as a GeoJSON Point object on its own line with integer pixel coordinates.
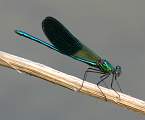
{"type": "Point", "coordinates": [67, 43]}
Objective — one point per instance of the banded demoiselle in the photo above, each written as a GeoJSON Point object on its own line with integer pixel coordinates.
{"type": "Point", "coordinates": [66, 43]}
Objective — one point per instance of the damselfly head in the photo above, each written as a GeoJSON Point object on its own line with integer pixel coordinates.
{"type": "Point", "coordinates": [118, 71]}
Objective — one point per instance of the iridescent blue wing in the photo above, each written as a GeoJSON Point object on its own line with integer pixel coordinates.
{"type": "Point", "coordinates": [66, 43]}
{"type": "Point", "coordinates": [63, 41]}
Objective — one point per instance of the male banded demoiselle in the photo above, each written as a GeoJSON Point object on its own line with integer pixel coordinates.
{"type": "Point", "coordinates": [64, 42]}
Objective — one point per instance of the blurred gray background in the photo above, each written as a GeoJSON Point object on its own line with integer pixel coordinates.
{"type": "Point", "coordinates": [114, 29]}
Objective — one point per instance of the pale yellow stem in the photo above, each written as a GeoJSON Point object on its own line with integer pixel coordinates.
{"type": "Point", "coordinates": [70, 82]}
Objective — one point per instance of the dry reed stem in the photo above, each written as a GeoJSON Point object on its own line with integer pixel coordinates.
{"type": "Point", "coordinates": [70, 82]}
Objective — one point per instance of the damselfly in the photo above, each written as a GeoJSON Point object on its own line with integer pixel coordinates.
{"type": "Point", "coordinates": [65, 43]}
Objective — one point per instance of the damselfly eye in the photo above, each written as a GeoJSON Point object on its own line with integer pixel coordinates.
{"type": "Point", "coordinates": [118, 70]}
